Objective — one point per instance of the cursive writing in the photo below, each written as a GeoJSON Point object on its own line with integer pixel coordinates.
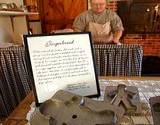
{"type": "Point", "coordinates": [53, 43]}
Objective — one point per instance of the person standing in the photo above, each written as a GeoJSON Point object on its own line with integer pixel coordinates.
{"type": "Point", "coordinates": [104, 24]}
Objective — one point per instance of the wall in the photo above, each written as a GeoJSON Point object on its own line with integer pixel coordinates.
{"type": "Point", "coordinates": [20, 24]}
{"type": "Point", "coordinates": [18, 2]}
{"type": "Point", "coordinates": [36, 27]}
{"type": "Point", "coordinates": [150, 43]}
{"type": "Point", "coordinates": [5, 24]}
{"type": "Point", "coordinates": [110, 4]}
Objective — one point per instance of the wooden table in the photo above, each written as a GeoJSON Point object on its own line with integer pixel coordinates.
{"type": "Point", "coordinates": [18, 116]}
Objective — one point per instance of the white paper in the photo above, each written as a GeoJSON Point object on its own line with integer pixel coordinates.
{"type": "Point", "coordinates": [62, 62]}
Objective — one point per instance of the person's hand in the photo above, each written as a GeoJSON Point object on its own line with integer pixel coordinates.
{"type": "Point", "coordinates": [119, 43]}
{"type": "Point", "coordinates": [116, 42]}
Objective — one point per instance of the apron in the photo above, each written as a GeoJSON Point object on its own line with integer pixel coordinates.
{"type": "Point", "coordinates": [101, 33]}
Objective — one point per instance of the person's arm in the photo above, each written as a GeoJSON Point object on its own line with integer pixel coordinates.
{"type": "Point", "coordinates": [117, 28]}
{"type": "Point", "coordinates": [79, 23]}
{"type": "Point", "coordinates": [76, 29]}
{"type": "Point", "coordinates": [116, 36]}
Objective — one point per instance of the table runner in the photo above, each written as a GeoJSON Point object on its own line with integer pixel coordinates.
{"type": "Point", "coordinates": [146, 88]}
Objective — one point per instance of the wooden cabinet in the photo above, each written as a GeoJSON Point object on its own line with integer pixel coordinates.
{"type": "Point", "coordinates": [60, 14]}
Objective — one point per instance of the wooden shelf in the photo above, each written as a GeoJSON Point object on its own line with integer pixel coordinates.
{"type": "Point", "coordinates": [16, 13]}
{"type": "Point", "coordinates": [13, 14]}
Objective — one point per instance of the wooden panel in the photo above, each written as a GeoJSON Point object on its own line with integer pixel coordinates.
{"type": "Point", "coordinates": [59, 14]}
{"type": "Point", "coordinates": [32, 6]}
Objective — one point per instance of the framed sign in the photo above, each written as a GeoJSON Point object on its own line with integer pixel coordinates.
{"type": "Point", "coordinates": [61, 62]}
